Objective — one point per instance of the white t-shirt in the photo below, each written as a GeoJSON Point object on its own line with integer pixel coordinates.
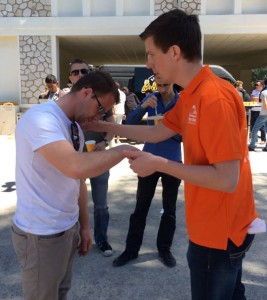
{"type": "Point", "coordinates": [119, 108]}
{"type": "Point", "coordinates": [47, 200]}
{"type": "Point", "coordinates": [263, 98]}
{"type": "Point", "coordinates": [255, 93]}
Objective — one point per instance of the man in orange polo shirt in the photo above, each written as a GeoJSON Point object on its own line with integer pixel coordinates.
{"type": "Point", "coordinates": [218, 182]}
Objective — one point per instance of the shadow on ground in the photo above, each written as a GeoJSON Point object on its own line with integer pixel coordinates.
{"type": "Point", "coordinates": [146, 277]}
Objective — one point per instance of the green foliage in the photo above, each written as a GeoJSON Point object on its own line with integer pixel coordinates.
{"type": "Point", "coordinates": [259, 74]}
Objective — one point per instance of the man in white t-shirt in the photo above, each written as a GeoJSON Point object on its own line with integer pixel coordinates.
{"type": "Point", "coordinates": [261, 120]}
{"type": "Point", "coordinates": [255, 111]}
{"type": "Point", "coordinates": [51, 192]}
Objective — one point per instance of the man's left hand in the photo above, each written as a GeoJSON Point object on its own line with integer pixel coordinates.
{"type": "Point", "coordinates": [86, 242]}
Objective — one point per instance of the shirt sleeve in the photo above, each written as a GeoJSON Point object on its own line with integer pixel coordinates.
{"type": "Point", "coordinates": [43, 130]}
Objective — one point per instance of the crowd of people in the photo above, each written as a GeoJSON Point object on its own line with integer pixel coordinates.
{"type": "Point", "coordinates": [52, 164]}
{"type": "Point", "coordinates": [257, 113]}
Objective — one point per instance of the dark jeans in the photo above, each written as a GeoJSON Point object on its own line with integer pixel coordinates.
{"type": "Point", "coordinates": [145, 193]}
{"type": "Point", "coordinates": [216, 274]}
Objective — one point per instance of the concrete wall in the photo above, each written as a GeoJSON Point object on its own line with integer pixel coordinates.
{"type": "Point", "coordinates": [10, 66]}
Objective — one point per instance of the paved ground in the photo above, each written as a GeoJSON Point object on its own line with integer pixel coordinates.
{"type": "Point", "coordinates": [145, 278]}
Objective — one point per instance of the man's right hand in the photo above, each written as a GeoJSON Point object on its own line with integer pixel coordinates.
{"type": "Point", "coordinates": [150, 102]}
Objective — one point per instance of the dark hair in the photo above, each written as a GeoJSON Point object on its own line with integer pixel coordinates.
{"type": "Point", "coordinates": [100, 82]}
{"type": "Point", "coordinates": [50, 79]}
{"type": "Point", "coordinates": [176, 28]}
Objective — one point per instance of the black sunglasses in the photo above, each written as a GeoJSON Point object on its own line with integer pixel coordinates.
{"type": "Point", "coordinates": [76, 72]}
{"type": "Point", "coordinates": [101, 110]}
{"type": "Point", "coordinates": [75, 136]}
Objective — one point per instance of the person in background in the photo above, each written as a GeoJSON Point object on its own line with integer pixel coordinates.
{"type": "Point", "coordinates": [131, 101]}
{"type": "Point", "coordinates": [53, 92]}
{"type": "Point", "coordinates": [261, 120]}
{"type": "Point", "coordinates": [164, 100]}
{"type": "Point", "coordinates": [51, 192]}
{"type": "Point", "coordinates": [119, 111]}
{"type": "Point", "coordinates": [99, 184]}
{"type": "Point", "coordinates": [244, 96]}
{"type": "Point", "coordinates": [240, 90]}
{"type": "Point", "coordinates": [255, 111]}
{"type": "Point", "coordinates": [210, 116]}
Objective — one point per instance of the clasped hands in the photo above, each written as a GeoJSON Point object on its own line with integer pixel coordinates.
{"type": "Point", "coordinates": [142, 163]}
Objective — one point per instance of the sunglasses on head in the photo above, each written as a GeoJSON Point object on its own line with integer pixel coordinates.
{"type": "Point", "coordinates": [76, 72]}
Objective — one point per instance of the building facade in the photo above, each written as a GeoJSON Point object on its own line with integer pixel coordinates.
{"type": "Point", "coordinates": [40, 37]}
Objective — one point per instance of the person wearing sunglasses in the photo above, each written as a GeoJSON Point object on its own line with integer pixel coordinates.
{"type": "Point", "coordinates": [255, 111]}
{"type": "Point", "coordinates": [99, 184]}
{"type": "Point", "coordinates": [51, 219]}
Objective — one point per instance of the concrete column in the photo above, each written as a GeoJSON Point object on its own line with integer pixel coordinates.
{"type": "Point", "coordinates": [35, 65]}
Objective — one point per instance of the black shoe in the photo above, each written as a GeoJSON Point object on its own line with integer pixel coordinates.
{"type": "Point", "coordinates": [105, 249]}
{"type": "Point", "coordinates": [264, 149]}
{"type": "Point", "coordinates": [124, 258]}
{"type": "Point", "coordinates": [168, 258]}
{"type": "Point", "coordinates": [250, 148]}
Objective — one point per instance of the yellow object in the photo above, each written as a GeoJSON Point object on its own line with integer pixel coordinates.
{"type": "Point", "coordinates": [90, 145]}
{"type": "Point", "coordinates": [250, 103]}
{"type": "Point", "coordinates": [150, 85]}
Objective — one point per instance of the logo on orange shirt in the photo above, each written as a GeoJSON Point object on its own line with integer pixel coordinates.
{"type": "Point", "coordinates": [192, 118]}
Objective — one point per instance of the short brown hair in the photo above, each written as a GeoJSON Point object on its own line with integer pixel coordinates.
{"type": "Point", "coordinates": [100, 82]}
{"type": "Point", "coordinates": [176, 27]}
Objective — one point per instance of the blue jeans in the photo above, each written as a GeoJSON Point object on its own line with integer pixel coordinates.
{"type": "Point", "coordinates": [254, 116]}
{"type": "Point", "coordinates": [216, 274]}
{"type": "Point", "coordinates": [99, 189]}
{"type": "Point", "coordinates": [145, 193]}
{"type": "Point", "coordinates": [261, 121]}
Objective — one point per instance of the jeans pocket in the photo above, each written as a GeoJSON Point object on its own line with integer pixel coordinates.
{"type": "Point", "coordinates": [237, 253]}
{"type": "Point", "coordinates": [20, 246]}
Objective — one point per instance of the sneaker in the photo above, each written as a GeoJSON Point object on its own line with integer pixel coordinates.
{"type": "Point", "coordinates": [250, 148]}
{"type": "Point", "coordinates": [264, 149]}
{"type": "Point", "coordinates": [105, 249]}
{"type": "Point", "coordinates": [167, 258]}
{"type": "Point", "coordinates": [124, 258]}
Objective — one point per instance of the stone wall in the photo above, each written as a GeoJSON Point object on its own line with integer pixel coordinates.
{"type": "Point", "coordinates": [35, 65]}
{"type": "Point", "coordinates": [189, 6]}
{"type": "Point", "coordinates": [162, 6]}
{"type": "Point", "coordinates": [192, 7]}
{"type": "Point", "coordinates": [25, 8]}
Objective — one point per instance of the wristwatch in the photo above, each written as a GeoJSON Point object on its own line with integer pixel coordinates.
{"type": "Point", "coordinates": [106, 142]}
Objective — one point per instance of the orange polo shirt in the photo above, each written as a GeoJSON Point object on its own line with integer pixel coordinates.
{"type": "Point", "coordinates": [211, 118]}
